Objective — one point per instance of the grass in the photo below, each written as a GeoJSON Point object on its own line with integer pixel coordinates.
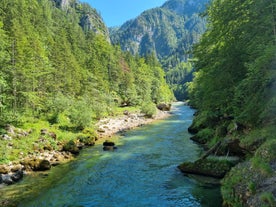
{"type": "Point", "coordinates": [120, 110]}
{"type": "Point", "coordinates": [256, 137]}
{"type": "Point", "coordinates": [20, 146]}
{"type": "Point", "coordinates": [248, 176]}
{"type": "Point", "coordinates": [268, 199]}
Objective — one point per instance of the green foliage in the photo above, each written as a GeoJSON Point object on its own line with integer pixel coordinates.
{"type": "Point", "coordinates": [80, 114]}
{"type": "Point", "coordinates": [178, 78]}
{"type": "Point", "coordinates": [267, 151]}
{"type": "Point", "coordinates": [71, 146]}
{"type": "Point", "coordinates": [252, 187]}
{"type": "Point", "coordinates": [260, 165]}
{"type": "Point", "coordinates": [234, 88]}
{"type": "Point", "coordinates": [258, 136]}
{"type": "Point", "coordinates": [149, 109]}
{"type": "Point", "coordinates": [54, 66]}
{"type": "Point", "coordinates": [268, 199]}
{"type": "Point", "coordinates": [205, 135]}
{"type": "Point", "coordinates": [234, 74]}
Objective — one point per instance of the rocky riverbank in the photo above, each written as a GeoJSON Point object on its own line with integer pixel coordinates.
{"type": "Point", "coordinates": [110, 126]}
{"type": "Point", "coordinates": [44, 159]}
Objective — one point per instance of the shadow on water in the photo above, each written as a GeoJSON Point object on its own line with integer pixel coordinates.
{"type": "Point", "coordinates": [142, 172]}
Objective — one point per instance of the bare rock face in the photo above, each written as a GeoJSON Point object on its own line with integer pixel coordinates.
{"type": "Point", "coordinates": [63, 4]}
{"type": "Point", "coordinates": [93, 22]}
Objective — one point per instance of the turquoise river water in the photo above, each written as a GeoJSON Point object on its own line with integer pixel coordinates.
{"type": "Point", "coordinates": [141, 172]}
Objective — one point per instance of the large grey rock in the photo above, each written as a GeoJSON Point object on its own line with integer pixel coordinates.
{"type": "Point", "coordinates": [17, 176]}
{"type": "Point", "coordinates": [7, 179]}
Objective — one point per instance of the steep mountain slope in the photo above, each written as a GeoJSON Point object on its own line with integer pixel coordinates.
{"type": "Point", "coordinates": [166, 30]}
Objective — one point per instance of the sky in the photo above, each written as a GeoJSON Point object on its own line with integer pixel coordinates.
{"type": "Point", "coordinates": [117, 12]}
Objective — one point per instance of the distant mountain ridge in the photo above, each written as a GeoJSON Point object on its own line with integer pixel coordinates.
{"type": "Point", "coordinates": [167, 30]}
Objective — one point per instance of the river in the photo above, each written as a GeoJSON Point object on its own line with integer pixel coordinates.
{"type": "Point", "coordinates": [141, 172]}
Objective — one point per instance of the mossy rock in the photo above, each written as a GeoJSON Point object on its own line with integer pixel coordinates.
{"type": "Point", "coordinates": [71, 146]}
{"type": "Point", "coordinates": [207, 167]}
{"type": "Point", "coordinates": [164, 107]}
{"type": "Point", "coordinates": [36, 164]}
{"type": "Point", "coordinates": [4, 169]}
{"type": "Point", "coordinates": [87, 140]}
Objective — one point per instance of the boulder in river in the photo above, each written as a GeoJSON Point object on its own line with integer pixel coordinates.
{"type": "Point", "coordinates": [109, 146]}
{"type": "Point", "coordinates": [17, 176]}
{"type": "Point", "coordinates": [164, 107]}
{"type": "Point", "coordinates": [108, 143]}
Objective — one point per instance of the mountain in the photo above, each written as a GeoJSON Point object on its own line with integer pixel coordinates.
{"type": "Point", "coordinates": [165, 31]}
{"type": "Point", "coordinates": [168, 32]}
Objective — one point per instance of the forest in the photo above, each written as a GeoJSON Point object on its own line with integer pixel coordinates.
{"type": "Point", "coordinates": [234, 92]}
{"type": "Point", "coordinates": [53, 69]}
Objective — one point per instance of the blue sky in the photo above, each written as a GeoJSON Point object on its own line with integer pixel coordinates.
{"type": "Point", "coordinates": [117, 12]}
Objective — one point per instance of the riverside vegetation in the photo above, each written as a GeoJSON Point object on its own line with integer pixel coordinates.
{"type": "Point", "coordinates": [234, 93]}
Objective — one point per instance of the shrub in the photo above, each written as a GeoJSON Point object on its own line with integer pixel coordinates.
{"type": "Point", "coordinates": [205, 134]}
{"type": "Point", "coordinates": [86, 139]}
{"type": "Point", "coordinates": [149, 109]}
{"type": "Point", "coordinates": [71, 147]}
